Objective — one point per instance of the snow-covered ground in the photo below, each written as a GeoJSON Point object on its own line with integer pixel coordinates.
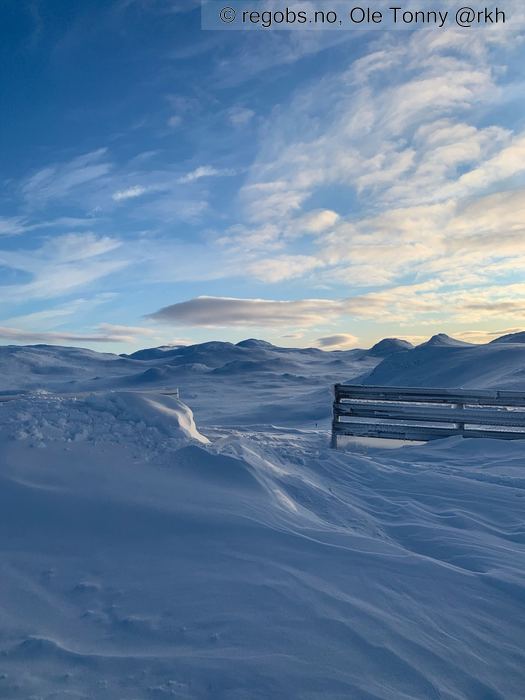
{"type": "Point", "coordinates": [146, 555]}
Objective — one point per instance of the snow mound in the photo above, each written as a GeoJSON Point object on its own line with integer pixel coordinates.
{"type": "Point", "coordinates": [149, 420]}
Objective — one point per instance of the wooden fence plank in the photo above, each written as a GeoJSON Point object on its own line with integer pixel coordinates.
{"type": "Point", "coordinates": [408, 413]}
{"type": "Point", "coordinates": [426, 414]}
{"type": "Point", "coordinates": [474, 396]}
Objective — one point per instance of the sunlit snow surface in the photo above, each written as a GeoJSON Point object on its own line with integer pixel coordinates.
{"type": "Point", "coordinates": [140, 561]}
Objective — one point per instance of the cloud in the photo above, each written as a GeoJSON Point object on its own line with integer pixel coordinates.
{"type": "Point", "coordinates": [204, 171]}
{"type": "Point", "coordinates": [249, 58]}
{"type": "Point", "coordinates": [272, 200]}
{"type": "Point", "coordinates": [240, 116]}
{"type": "Point", "coordinates": [104, 333]}
{"type": "Point", "coordinates": [64, 264]}
{"type": "Point", "coordinates": [221, 312]}
{"type": "Point", "coordinates": [182, 106]}
{"type": "Point", "coordinates": [341, 341]}
{"type": "Point", "coordinates": [506, 163]}
{"type": "Point", "coordinates": [126, 330]}
{"type": "Point", "coordinates": [174, 121]}
{"type": "Point", "coordinates": [129, 193]}
{"type": "Point", "coordinates": [51, 317]}
{"type": "Point", "coordinates": [432, 301]}
{"type": "Point", "coordinates": [454, 240]}
{"type": "Point", "coordinates": [70, 222]}
{"type": "Point", "coordinates": [61, 179]}
{"type": "Point", "coordinates": [370, 137]}
{"type": "Point", "coordinates": [18, 335]}
{"type": "Point", "coordinates": [404, 132]}
{"type": "Point", "coordinates": [12, 226]}
{"type": "Point", "coordinates": [79, 246]}
{"type": "Point", "coordinates": [422, 303]}
{"type": "Point", "coordinates": [281, 268]}
{"type": "Point", "coordinates": [317, 221]}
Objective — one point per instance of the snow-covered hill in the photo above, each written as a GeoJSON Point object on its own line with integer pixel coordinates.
{"type": "Point", "coordinates": [518, 337]}
{"type": "Point", "coordinates": [446, 362]}
{"type": "Point", "coordinates": [145, 555]}
{"type": "Point", "coordinates": [43, 366]}
{"type": "Point", "coordinates": [253, 379]}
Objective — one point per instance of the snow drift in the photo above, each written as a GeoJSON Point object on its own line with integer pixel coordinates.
{"type": "Point", "coordinates": [132, 418]}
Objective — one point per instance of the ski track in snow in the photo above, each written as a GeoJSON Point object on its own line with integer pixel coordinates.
{"type": "Point", "coordinates": [146, 555]}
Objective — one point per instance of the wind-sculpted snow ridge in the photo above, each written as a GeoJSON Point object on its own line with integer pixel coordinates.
{"type": "Point", "coordinates": [131, 418]}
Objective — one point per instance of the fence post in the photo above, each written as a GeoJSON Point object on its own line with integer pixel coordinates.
{"type": "Point", "coordinates": [461, 424]}
{"type": "Point", "coordinates": [335, 420]}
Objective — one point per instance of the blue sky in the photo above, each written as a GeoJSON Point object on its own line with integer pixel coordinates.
{"type": "Point", "coordinates": [161, 183]}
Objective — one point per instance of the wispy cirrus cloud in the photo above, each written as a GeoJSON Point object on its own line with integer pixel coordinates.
{"type": "Point", "coordinates": [129, 193]}
{"type": "Point", "coordinates": [55, 316]}
{"type": "Point", "coordinates": [204, 171]}
{"type": "Point", "coordinates": [63, 264]}
{"type": "Point", "coordinates": [12, 226]}
{"type": "Point", "coordinates": [59, 180]}
{"type": "Point", "coordinates": [93, 184]}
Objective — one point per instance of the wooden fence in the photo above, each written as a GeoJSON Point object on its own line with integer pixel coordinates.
{"type": "Point", "coordinates": [401, 413]}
